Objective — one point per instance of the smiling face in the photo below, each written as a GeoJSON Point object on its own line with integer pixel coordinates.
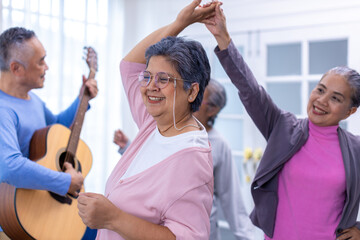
{"type": "Point", "coordinates": [330, 101]}
{"type": "Point", "coordinates": [159, 102]}
{"type": "Point", "coordinates": [35, 65]}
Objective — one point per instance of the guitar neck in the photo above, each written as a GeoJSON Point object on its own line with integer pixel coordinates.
{"type": "Point", "coordinates": [79, 118]}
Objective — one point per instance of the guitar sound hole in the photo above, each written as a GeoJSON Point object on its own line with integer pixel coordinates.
{"type": "Point", "coordinates": [68, 157]}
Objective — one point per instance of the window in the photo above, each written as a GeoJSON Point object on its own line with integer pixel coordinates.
{"type": "Point", "coordinates": [64, 28]}
{"type": "Point", "coordinates": [284, 59]}
{"type": "Point", "coordinates": [288, 82]}
{"type": "Point", "coordinates": [287, 95]}
{"type": "Point", "coordinates": [324, 55]}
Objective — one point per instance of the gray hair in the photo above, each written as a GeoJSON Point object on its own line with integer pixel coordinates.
{"type": "Point", "coordinates": [189, 59]}
{"type": "Point", "coordinates": [216, 97]}
{"type": "Point", "coordinates": [11, 41]}
{"type": "Point", "coordinates": [353, 78]}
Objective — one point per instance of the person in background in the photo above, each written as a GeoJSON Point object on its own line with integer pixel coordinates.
{"type": "Point", "coordinates": [227, 192]}
{"type": "Point", "coordinates": [23, 68]}
{"type": "Point", "coordinates": [121, 140]}
{"type": "Point", "coordinates": [307, 183]}
{"type": "Point", "coordinates": [162, 187]}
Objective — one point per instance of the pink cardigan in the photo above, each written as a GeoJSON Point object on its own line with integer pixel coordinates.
{"type": "Point", "coordinates": [176, 193]}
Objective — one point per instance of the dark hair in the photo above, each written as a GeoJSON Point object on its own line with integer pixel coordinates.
{"type": "Point", "coordinates": [353, 79]}
{"type": "Point", "coordinates": [8, 40]}
{"type": "Point", "coordinates": [189, 59]}
{"type": "Point", "coordinates": [216, 98]}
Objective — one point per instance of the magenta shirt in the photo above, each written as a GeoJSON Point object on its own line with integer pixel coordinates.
{"type": "Point", "coordinates": [312, 189]}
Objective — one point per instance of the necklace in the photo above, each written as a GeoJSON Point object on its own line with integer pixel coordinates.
{"type": "Point", "coordinates": [179, 129]}
{"type": "Point", "coordinates": [161, 132]}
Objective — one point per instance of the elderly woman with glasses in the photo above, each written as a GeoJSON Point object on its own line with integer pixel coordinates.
{"type": "Point", "coordinates": [162, 187]}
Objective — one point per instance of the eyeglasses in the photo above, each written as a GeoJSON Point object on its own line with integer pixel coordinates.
{"type": "Point", "coordinates": [161, 79]}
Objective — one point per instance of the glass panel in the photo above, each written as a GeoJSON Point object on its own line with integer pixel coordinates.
{"type": "Point", "coordinates": [74, 10]}
{"type": "Point", "coordinates": [34, 5]}
{"type": "Point", "coordinates": [103, 12]}
{"type": "Point", "coordinates": [232, 131]}
{"type": "Point", "coordinates": [55, 24]}
{"type": "Point", "coordinates": [44, 22]}
{"type": "Point", "coordinates": [216, 68]}
{"type": "Point", "coordinates": [92, 12]}
{"type": "Point", "coordinates": [34, 19]}
{"type": "Point", "coordinates": [343, 124]}
{"type": "Point", "coordinates": [286, 95]}
{"type": "Point", "coordinates": [44, 7]}
{"type": "Point", "coordinates": [18, 4]}
{"type": "Point", "coordinates": [284, 59]}
{"type": "Point", "coordinates": [233, 103]}
{"type": "Point", "coordinates": [55, 7]}
{"type": "Point", "coordinates": [5, 19]}
{"type": "Point", "coordinates": [312, 85]}
{"type": "Point", "coordinates": [5, 3]}
{"type": "Point", "coordinates": [74, 30]}
{"type": "Point", "coordinates": [241, 50]}
{"type": "Point", "coordinates": [17, 17]}
{"type": "Point", "coordinates": [96, 34]}
{"type": "Point", "coordinates": [326, 55]}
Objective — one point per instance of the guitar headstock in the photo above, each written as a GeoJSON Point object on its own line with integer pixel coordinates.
{"type": "Point", "coordinates": [91, 60]}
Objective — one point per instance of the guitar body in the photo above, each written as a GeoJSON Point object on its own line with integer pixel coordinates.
{"type": "Point", "coordinates": [36, 214]}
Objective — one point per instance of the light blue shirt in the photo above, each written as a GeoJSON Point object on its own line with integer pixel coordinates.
{"type": "Point", "coordinates": [19, 119]}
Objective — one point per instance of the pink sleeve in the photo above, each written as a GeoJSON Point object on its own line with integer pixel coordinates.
{"type": "Point", "coordinates": [188, 217]}
{"type": "Point", "coordinates": [129, 74]}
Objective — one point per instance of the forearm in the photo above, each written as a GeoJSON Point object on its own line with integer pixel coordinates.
{"type": "Point", "coordinates": [131, 227]}
{"type": "Point", "coordinates": [23, 173]}
{"type": "Point", "coordinates": [257, 102]}
{"type": "Point", "coordinates": [223, 40]}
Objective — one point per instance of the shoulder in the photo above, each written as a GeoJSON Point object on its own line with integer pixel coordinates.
{"type": "Point", "coordinates": [9, 118]}
{"type": "Point", "coordinates": [217, 140]}
{"type": "Point", "coordinates": [353, 139]}
{"type": "Point", "coordinates": [7, 112]}
{"type": "Point", "coordinates": [131, 68]}
{"type": "Point", "coordinates": [195, 162]}
{"type": "Point", "coordinates": [35, 99]}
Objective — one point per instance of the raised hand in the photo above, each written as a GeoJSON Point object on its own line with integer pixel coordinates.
{"type": "Point", "coordinates": [217, 26]}
{"type": "Point", "coordinates": [195, 13]}
{"type": "Point", "coordinates": [120, 138]}
{"type": "Point", "coordinates": [91, 85]}
{"type": "Point", "coordinates": [77, 179]}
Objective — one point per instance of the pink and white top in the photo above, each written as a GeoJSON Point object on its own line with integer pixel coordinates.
{"type": "Point", "coordinates": [312, 189]}
{"type": "Point", "coordinates": [176, 192]}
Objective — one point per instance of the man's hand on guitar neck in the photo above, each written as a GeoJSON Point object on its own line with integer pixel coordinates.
{"type": "Point", "coordinates": [91, 85]}
{"type": "Point", "coordinates": [77, 179]}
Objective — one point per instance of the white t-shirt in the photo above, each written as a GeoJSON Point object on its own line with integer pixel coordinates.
{"type": "Point", "coordinates": [158, 148]}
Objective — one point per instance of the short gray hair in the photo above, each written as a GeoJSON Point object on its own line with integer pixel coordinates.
{"type": "Point", "coordinates": [10, 40]}
{"type": "Point", "coordinates": [353, 79]}
{"type": "Point", "coordinates": [216, 97]}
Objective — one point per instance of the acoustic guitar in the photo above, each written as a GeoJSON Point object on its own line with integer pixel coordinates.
{"type": "Point", "coordinates": [43, 215]}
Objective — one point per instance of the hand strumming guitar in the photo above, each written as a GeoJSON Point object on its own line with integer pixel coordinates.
{"type": "Point", "coordinates": [77, 179]}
